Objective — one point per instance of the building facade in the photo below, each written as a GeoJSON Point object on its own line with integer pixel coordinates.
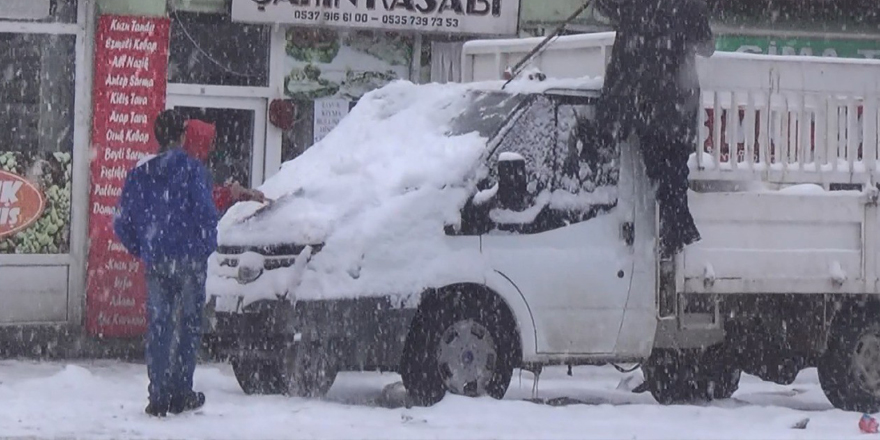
{"type": "Point", "coordinates": [83, 79]}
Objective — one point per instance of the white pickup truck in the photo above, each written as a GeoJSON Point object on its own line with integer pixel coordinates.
{"type": "Point", "coordinates": [456, 232]}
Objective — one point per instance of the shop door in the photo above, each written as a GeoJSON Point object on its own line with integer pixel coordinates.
{"type": "Point", "coordinates": [240, 148]}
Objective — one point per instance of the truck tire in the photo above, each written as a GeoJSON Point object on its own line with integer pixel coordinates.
{"type": "Point", "coordinates": [678, 377]}
{"type": "Point", "coordinates": [849, 371]}
{"type": "Point", "coordinates": [309, 370]}
{"type": "Point", "coordinates": [458, 345]}
{"type": "Point", "coordinates": [672, 376]}
{"type": "Point", "coordinates": [256, 376]}
{"type": "Point", "coordinates": [719, 373]}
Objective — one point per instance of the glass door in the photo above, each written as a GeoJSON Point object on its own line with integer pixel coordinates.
{"type": "Point", "coordinates": [240, 148]}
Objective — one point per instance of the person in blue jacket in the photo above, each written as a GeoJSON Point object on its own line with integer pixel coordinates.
{"type": "Point", "coordinates": [166, 217]}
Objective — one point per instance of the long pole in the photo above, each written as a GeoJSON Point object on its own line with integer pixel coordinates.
{"type": "Point", "coordinates": [518, 68]}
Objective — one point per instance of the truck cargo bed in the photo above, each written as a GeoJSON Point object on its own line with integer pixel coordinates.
{"type": "Point", "coordinates": [795, 241]}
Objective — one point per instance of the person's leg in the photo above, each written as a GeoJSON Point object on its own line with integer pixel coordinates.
{"type": "Point", "coordinates": [676, 143]}
{"type": "Point", "coordinates": [192, 301]}
{"type": "Point", "coordinates": [158, 344]}
{"type": "Point", "coordinates": [665, 158]}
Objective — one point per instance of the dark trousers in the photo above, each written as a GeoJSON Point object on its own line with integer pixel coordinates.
{"type": "Point", "coordinates": [176, 297]}
{"type": "Point", "coordinates": [665, 148]}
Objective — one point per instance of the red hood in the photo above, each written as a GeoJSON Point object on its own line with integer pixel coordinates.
{"type": "Point", "coordinates": [199, 140]}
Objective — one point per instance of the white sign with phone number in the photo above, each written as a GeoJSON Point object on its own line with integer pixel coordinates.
{"type": "Point", "coordinates": [473, 17]}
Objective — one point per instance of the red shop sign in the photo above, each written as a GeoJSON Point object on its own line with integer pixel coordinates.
{"type": "Point", "coordinates": [21, 203]}
{"type": "Point", "coordinates": [131, 64]}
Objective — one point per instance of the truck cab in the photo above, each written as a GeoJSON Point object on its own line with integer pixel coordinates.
{"type": "Point", "coordinates": [547, 258]}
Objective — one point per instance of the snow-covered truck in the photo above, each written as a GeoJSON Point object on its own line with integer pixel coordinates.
{"type": "Point", "coordinates": [455, 232]}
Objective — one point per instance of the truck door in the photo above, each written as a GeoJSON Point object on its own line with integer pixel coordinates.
{"type": "Point", "coordinates": [564, 250]}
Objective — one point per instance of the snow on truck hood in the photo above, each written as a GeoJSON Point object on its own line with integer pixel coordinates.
{"type": "Point", "coordinates": [389, 164]}
{"type": "Point", "coordinates": [377, 192]}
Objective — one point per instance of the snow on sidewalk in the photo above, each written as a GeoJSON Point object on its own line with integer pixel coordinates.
{"type": "Point", "coordinates": [105, 399]}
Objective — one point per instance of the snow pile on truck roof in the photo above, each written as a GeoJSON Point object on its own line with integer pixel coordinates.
{"type": "Point", "coordinates": [377, 192]}
{"type": "Point", "coordinates": [392, 143]}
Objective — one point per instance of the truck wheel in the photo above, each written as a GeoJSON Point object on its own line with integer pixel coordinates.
{"type": "Point", "coordinates": [849, 371]}
{"type": "Point", "coordinates": [309, 370]}
{"type": "Point", "coordinates": [723, 383]}
{"type": "Point", "coordinates": [672, 377]}
{"type": "Point", "coordinates": [675, 377]}
{"type": "Point", "coordinates": [719, 373]}
{"type": "Point", "coordinates": [258, 376]}
{"type": "Point", "coordinates": [462, 347]}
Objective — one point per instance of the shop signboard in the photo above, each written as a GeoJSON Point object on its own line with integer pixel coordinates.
{"type": "Point", "coordinates": [468, 17]}
{"type": "Point", "coordinates": [841, 48]}
{"type": "Point", "coordinates": [131, 62]}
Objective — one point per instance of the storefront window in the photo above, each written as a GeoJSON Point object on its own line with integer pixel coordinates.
{"type": "Point", "coordinates": [231, 158]}
{"type": "Point", "coordinates": [40, 11]}
{"type": "Point", "coordinates": [36, 131]}
{"type": "Point", "coordinates": [198, 56]}
{"type": "Point", "coordinates": [330, 69]}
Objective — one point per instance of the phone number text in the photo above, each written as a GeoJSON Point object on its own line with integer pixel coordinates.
{"type": "Point", "coordinates": [398, 20]}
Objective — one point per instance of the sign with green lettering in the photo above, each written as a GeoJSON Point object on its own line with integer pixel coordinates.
{"type": "Point", "coordinates": [842, 48]}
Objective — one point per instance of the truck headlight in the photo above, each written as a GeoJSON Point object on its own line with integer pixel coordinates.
{"type": "Point", "coordinates": [248, 274]}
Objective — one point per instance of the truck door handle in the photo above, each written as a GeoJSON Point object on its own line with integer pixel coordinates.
{"type": "Point", "coordinates": [628, 233]}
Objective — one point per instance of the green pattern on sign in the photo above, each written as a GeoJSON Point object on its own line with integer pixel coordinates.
{"type": "Point", "coordinates": [865, 49]}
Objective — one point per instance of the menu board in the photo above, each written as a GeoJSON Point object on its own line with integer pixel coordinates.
{"type": "Point", "coordinates": [131, 61]}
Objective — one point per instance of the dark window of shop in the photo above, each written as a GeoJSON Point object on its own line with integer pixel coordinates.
{"type": "Point", "coordinates": [209, 49]}
{"type": "Point", "coordinates": [39, 11]}
{"type": "Point", "coordinates": [36, 92]}
{"type": "Point", "coordinates": [301, 136]}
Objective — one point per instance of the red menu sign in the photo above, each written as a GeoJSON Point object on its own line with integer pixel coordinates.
{"type": "Point", "coordinates": [131, 62]}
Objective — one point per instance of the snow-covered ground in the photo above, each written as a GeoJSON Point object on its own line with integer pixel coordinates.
{"type": "Point", "coordinates": [105, 399]}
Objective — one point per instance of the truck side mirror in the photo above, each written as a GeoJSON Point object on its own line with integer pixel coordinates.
{"type": "Point", "coordinates": [512, 181]}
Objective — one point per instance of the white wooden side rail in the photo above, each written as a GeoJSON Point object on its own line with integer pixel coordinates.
{"type": "Point", "coordinates": [793, 119]}
{"type": "Point", "coordinates": [788, 119]}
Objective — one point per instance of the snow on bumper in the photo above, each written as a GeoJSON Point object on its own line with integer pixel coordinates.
{"type": "Point", "coordinates": [238, 280]}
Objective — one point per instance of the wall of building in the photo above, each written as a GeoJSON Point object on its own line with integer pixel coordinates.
{"type": "Point", "coordinates": [839, 29]}
{"type": "Point", "coordinates": [132, 7]}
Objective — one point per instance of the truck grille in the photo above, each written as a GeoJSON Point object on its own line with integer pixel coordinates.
{"type": "Point", "coordinates": [275, 250]}
{"type": "Point", "coordinates": [276, 256]}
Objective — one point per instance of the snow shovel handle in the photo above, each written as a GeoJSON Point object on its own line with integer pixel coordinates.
{"type": "Point", "coordinates": [518, 67]}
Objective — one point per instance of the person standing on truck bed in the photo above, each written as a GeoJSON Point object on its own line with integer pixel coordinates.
{"type": "Point", "coordinates": [652, 89]}
{"type": "Point", "coordinates": [166, 218]}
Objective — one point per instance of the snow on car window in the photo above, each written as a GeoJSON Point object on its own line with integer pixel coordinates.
{"type": "Point", "coordinates": [585, 154]}
{"type": "Point", "coordinates": [530, 134]}
{"type": "Point", "coordinates": [486, 113]}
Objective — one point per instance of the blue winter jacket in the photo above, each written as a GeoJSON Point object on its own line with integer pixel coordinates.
{"type": "Point", "coordinates": [166, 211]}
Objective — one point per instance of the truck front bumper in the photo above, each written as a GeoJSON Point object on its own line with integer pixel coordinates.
{"type": "Point", "coordinates": [260, 330]}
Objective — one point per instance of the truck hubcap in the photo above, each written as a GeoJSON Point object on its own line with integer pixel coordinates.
{"type": "Point", "coordinates": [866, 363]}
{"type": "Point", "coordinates": [466, 358]}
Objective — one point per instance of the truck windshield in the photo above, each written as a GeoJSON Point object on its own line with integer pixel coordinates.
{"type": "Point", "coordinates": [486, 113]}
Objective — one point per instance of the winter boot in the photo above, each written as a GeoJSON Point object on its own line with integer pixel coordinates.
{"type": "Point", "coordinates": [192, 400]}
{"type": "Point", "coordinates": [156, 410]}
